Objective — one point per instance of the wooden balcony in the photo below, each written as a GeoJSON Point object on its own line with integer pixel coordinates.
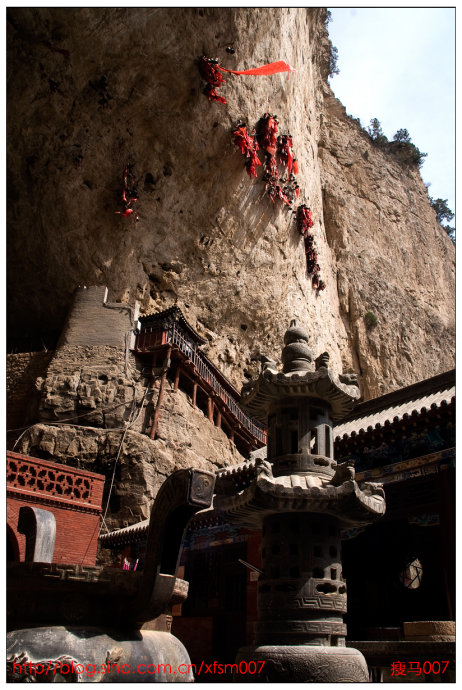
{"type": "Point", "coordinates": [170, 329]}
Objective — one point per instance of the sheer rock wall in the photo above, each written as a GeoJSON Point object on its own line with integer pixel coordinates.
{"type": "Point", "coordinates": [92, 89]}
{"type": "Point", "coordinates": [392, 259]}
{"type": "Point", "coordinates": [208, 236]}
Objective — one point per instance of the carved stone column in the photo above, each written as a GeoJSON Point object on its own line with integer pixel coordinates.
{"type": "Point", "coordinates": [301, 593]}
{"type": "Point", "coordinates": [301, 499]}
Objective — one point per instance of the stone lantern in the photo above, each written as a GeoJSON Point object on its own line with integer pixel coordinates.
{"type": "Point", "coordinates": [301, 499]}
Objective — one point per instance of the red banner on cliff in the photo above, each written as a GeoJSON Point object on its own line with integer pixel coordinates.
{"type": "Point", "coordinates": [271, 68]}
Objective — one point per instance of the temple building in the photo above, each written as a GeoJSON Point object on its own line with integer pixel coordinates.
{"type": "Point", "coordinates": [166, 337]}
{"type": "Point", "coordinates": [405, 440]}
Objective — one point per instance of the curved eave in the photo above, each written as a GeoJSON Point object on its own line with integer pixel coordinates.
{"type": "Point", "coordinates": [322, 384]}
{"type": "Point", "coordinates": [375, 423]}
{"type": "Point", "coordinates": [175, 312]}
{"type": "Point", "coordinates": [125, 535]}
{"type": "Point", "coordinates": [348, 502]}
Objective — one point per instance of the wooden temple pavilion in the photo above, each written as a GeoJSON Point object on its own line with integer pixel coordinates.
{"type": "Point", "coordinates": [167, 341]}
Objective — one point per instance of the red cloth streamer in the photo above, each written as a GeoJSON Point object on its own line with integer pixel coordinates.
{"type": "Point", "coordinates": [209, 71]}
{"type": "Point", "coordinates": [271, 68]}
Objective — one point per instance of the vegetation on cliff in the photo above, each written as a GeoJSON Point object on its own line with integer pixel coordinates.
{"type": "Point", "coordinates": [402, 147]}
{"type": "Point", "coordinates": [408, 154]}
{"type": "Point", "coordinates": [333, 54]}
{"type": "Point", "coordinates": [443, 212]}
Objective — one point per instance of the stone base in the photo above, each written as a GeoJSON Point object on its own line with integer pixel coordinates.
{"type": "Point", "coordinates": [93, 655]}
{"type": "Point", "coordinates": [301, 664]}
{"type": "Point", "coordinates": [433, 631]}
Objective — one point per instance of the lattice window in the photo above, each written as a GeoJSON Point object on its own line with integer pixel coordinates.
{"type": "Point", "coordinates": [32, 477]}
{"type": "Point", "coordinates": [411, 575]}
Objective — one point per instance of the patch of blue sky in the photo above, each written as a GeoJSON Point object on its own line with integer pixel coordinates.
{"type": "Point", "coordinates": [398, 65]}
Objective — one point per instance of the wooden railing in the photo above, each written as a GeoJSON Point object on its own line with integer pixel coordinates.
{"type": "Point", "coordinates": [151, 338]}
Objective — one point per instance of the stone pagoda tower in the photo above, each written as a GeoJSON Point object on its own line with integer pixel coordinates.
{"type": "Point", "coordinates": [301, 498]}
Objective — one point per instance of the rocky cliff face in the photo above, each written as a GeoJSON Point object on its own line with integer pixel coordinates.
{"type": "Point", "coordinates": [392, 259]}
{"type": "Point", "coordinates": [139, 466]}
{"type": "Point", "coordinates": [91, 90]}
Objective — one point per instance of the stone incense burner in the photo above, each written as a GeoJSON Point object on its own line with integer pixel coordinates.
{"type": "Point", "coordinates": [301, 498]}
{"type": "Point", "coordinates": [68, 616]}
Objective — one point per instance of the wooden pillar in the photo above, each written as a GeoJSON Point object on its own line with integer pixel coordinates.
{"type": "Point", "coordinates": [177, 378]}
{"type": "Point", "coordinates": [231, 434]}
{"type": "Point", "coordinates": [155, 421]}
{"type": "Point", "coordinates": [194, 395]}
{"type": "Point", "coordinates": [210, 406]}
{"type": "Point", "coordinates": [254, 557]}
{"type": "Point", "coordinates": [446, 496]}
{"type": "Point", "coordinates": [218, 419]}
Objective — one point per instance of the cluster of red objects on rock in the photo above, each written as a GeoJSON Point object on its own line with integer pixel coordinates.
{"type": "Point", "coordinates": [279, 153]}
{"type": "Point", "coordinates": [248, 145]}
{"type": "Point", "coordinates": [129, 193]}
{"type": "Point", "coordinates": [279, 185]}
{"type": "Point", "coordinates": [278, 150]}
{"type": "Point", "coordinates": [304, 224]}
{"type": "Point", "coordinates": [210, 73]}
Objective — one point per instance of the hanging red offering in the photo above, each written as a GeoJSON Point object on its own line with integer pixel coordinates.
{"type": "Point", "coordinates": [285, 153]}
{"type": "Point", "coordinates": [209, 67]}
{"type": "Point", "coordinates": [267, 130]}
{"type": "Point", "coordinates": [210, 73]}
{"type": "Point", "coordinates": [304, 220]}
{"type": "Point", "coordinates": [248, 146]}
{"type": "Point", "coordinates": [127, 213]}
{"type": "Point", "coordinates": [279, 170]}
{"type": "Point", "coordinates": [129, 193]}
{"type": "Point", "coordinates": [304, 224]}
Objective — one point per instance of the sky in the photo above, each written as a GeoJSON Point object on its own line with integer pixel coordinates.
{"type": "Point", "coordinates": [398, 65]}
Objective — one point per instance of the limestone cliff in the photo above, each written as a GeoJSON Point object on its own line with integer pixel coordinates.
{"type": "Point", "coordinates": [92, 89]}
{"type": "Point", "coordinates": [393, 261]}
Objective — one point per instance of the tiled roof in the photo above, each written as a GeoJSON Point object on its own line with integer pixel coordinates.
{"type": "Point", "coordinates": [412, 400]}
{"type": "Point", "coordinates": [176, 312]}
{"type": "Point", "coordinates": [138, 529]}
